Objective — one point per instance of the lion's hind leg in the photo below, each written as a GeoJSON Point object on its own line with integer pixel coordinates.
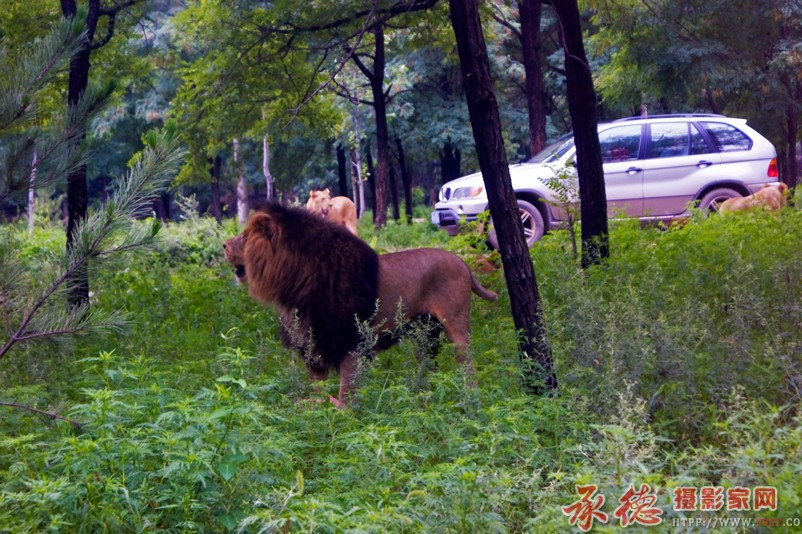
{"type": "Point", "coordinates": [455, 316]}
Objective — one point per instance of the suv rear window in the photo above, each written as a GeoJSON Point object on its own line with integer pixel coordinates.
{"type": "Point", "coordinates": [671, 139]}
{"type": "Point", "coordinates": [726, 137]}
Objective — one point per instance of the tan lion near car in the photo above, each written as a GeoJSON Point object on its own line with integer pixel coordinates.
{"type": "Point", "coordinates": [339, 210]}
{"type": "Point", "coordinates": [771, 197]}
{"type": "Point", "coordinates": [320, 297]}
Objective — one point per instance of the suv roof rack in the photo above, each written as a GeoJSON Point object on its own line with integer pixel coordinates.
{"type": "Point", "coordinates": [669, 116]}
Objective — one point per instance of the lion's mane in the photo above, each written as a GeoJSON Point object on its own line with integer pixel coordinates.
{"type": "Point", "coordinates": [318, 270]}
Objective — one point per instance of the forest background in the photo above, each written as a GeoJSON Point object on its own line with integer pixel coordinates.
{"type": "Point", "coordinates": [272, 95]}
{"type": "Point", "coordinates": [679, 358]}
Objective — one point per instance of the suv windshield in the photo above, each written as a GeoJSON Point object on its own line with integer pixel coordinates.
{"type": "Point", "coordinates": [554, 151]}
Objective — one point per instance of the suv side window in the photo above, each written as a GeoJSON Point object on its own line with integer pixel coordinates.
{"type": "Point", "coordinates": [698, 143]}
{"type": "Point", "coordinates": [669, 140]}
{"type": "Point", "coordinates": [620, 144]}
{"type": "Point", "coordinates": [726, 137]}
{"type": "Point", "coordinates": [674, 139]}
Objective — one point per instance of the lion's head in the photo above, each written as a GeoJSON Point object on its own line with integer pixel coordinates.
{"type": "Point", "coordinates": [319, 202]}
{"type": "Point", "coordinates": [234, 249]}
{"type": "Point", "coordinates": [279, 257]}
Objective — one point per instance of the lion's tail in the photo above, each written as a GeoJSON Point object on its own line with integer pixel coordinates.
{"type": "Point", "coordinates": [479, 290]}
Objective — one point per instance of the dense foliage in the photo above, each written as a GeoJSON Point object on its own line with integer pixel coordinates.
{"type": "Point", "coordinates": [679, 359]}
{"type": "Point", "coordinates": [679, 364]}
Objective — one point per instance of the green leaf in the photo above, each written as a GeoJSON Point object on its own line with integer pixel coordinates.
{"type": "Point", "coordinates": [228, 379]}
{"type": "Point", "coordinates": [220, 412]}
{"type": "Point", "coordinates": [227, 470]}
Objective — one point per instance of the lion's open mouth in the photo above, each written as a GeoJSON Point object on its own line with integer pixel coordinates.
{"type": "Point", "coordinates": [239, 270]}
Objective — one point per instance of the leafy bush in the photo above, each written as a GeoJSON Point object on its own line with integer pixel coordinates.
{"type": "Point", "coordinates": [679, 363]}
{"type": "Point", "coordinates": [685, 314]}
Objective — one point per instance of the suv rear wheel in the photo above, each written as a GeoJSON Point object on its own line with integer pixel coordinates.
{"type": "Point", "coordinates": [713, 199]}
{"type": "Point", "coordinates": [532, 221]}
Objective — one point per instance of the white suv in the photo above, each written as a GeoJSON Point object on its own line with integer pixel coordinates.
{"type": "Point", "coordinates": [654, 169]}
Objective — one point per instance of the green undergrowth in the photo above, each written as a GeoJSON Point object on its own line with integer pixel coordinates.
{"type": "Point", "coordinates": [679, 365]}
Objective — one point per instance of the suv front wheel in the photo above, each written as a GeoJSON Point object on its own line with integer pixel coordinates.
{"type": "Point", "coordinates": [532, 221]}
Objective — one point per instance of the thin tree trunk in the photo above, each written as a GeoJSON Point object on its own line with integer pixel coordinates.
{"type": "Point", "coordinates": [266, 168]}
{"type": "Point", "coordinates": [215, 208]}
{"type": "Point", "coordinates": [242, 187]}
{"type": "Point", "coordinates": [582, 107]}
{"type": "Point", "coordinates": [450, 166]}
{"type": "Point", "coordinates": [356, 177]}
{"type": "Point", "coordinates": [342, 175]}
{"type": "Point", "coordinates": [529, 12]}
{"type": "Point", "coordinates": [790, 133]}
{"type": "Point", "coordinates": [77, 189]}
{"type": "Point", "coordinates": [375, 76]}
{"type": "Point", "coordinates": [371, 179]}
{"type": "Point", "coordinates": [164, 201]}
{"type": "Point", "coordinates": [519, 272]}
{"type": "Point", "coordinates": [382, 139]}
{"type": "Point", "coordinates": [356, 163]}
{"type": "Point", "coordinates": [394, 195]}
{"type": "Point", "coordinates": [32, 196]}
{"type": "Point", "coordinates": [405, 180]}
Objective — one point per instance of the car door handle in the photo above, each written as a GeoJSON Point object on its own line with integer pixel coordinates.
{"type": "Point", "coordinates": [704, 163]}
{"type": "Point", "coordinates": [634, 170]}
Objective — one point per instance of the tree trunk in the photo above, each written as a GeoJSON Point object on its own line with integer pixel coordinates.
{"type": "Point", "coordinates": [382, 138]}
{"type": "Point", "coordinates": [582, 107]}
{"type": "Point", "coordinates": [371, 180]}
{"type": "Point", "coordinates": [32, 196]}
{"type": "Point", "coordinates": [215, 208]}
{"type": "Point", "coordinates": [266, 168]}
{"type": "Point", "coordinates": [529, 12]}
{"type": "Point", "coordinates": [164, 205]}
{"type": "Point", "coordinates": [394, 195]}
{"type": "Point", "coordinates": [356, 164]}
{"type": "Point", "coordinates": [342, 176]}
{"type": "Point", "coordinates": [77, 189]}
{"type": "Point", "coordinates": [405, 180]}
{"type": "Point", "coordinates": [450, 163]}
{"type": "Point", "coordinates": [519, 272]}
{"type": "Point", "coordinates": [242, 187]}
{"type": "Point", "coordinates": [375, 76]}
{"type": "Point", "coordinates": [358, 182]}
{"type": "Point", "coordinates": [790, 135]}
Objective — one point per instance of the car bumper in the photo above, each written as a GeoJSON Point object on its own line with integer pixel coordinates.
{"type": "Point", "coordinates": [446, 216]}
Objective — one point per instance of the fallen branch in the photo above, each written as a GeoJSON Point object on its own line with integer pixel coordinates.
{"type": "Point", "coordinates": [74, 423]}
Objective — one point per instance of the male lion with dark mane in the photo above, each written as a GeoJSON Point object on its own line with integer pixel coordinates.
{"type": "Point", "coordinates": [279, 257]}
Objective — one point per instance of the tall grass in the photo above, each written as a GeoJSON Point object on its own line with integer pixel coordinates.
{"type": "Point", "coordinates": [679, 363]}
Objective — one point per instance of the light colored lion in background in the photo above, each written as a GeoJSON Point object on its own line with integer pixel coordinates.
{"type": "Point", "coordinates": [339, 210]}
{"type": "Point", "coordinates": [771, 197]}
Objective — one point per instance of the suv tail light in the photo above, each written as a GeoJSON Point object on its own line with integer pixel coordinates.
{"type": "Point", "coordinates": [772, 172]}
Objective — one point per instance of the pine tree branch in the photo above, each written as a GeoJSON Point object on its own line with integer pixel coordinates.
{"type": "Point", "coordinates": [31, 312]}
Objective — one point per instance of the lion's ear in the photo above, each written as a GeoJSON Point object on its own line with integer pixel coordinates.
{"type": "Point", "coordinates": [263, 224]}
{"type": "Point", "coordinates": [326, 191]}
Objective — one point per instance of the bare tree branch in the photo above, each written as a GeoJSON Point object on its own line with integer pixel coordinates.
{"type": "Point", "coordinates": [51, 415]}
